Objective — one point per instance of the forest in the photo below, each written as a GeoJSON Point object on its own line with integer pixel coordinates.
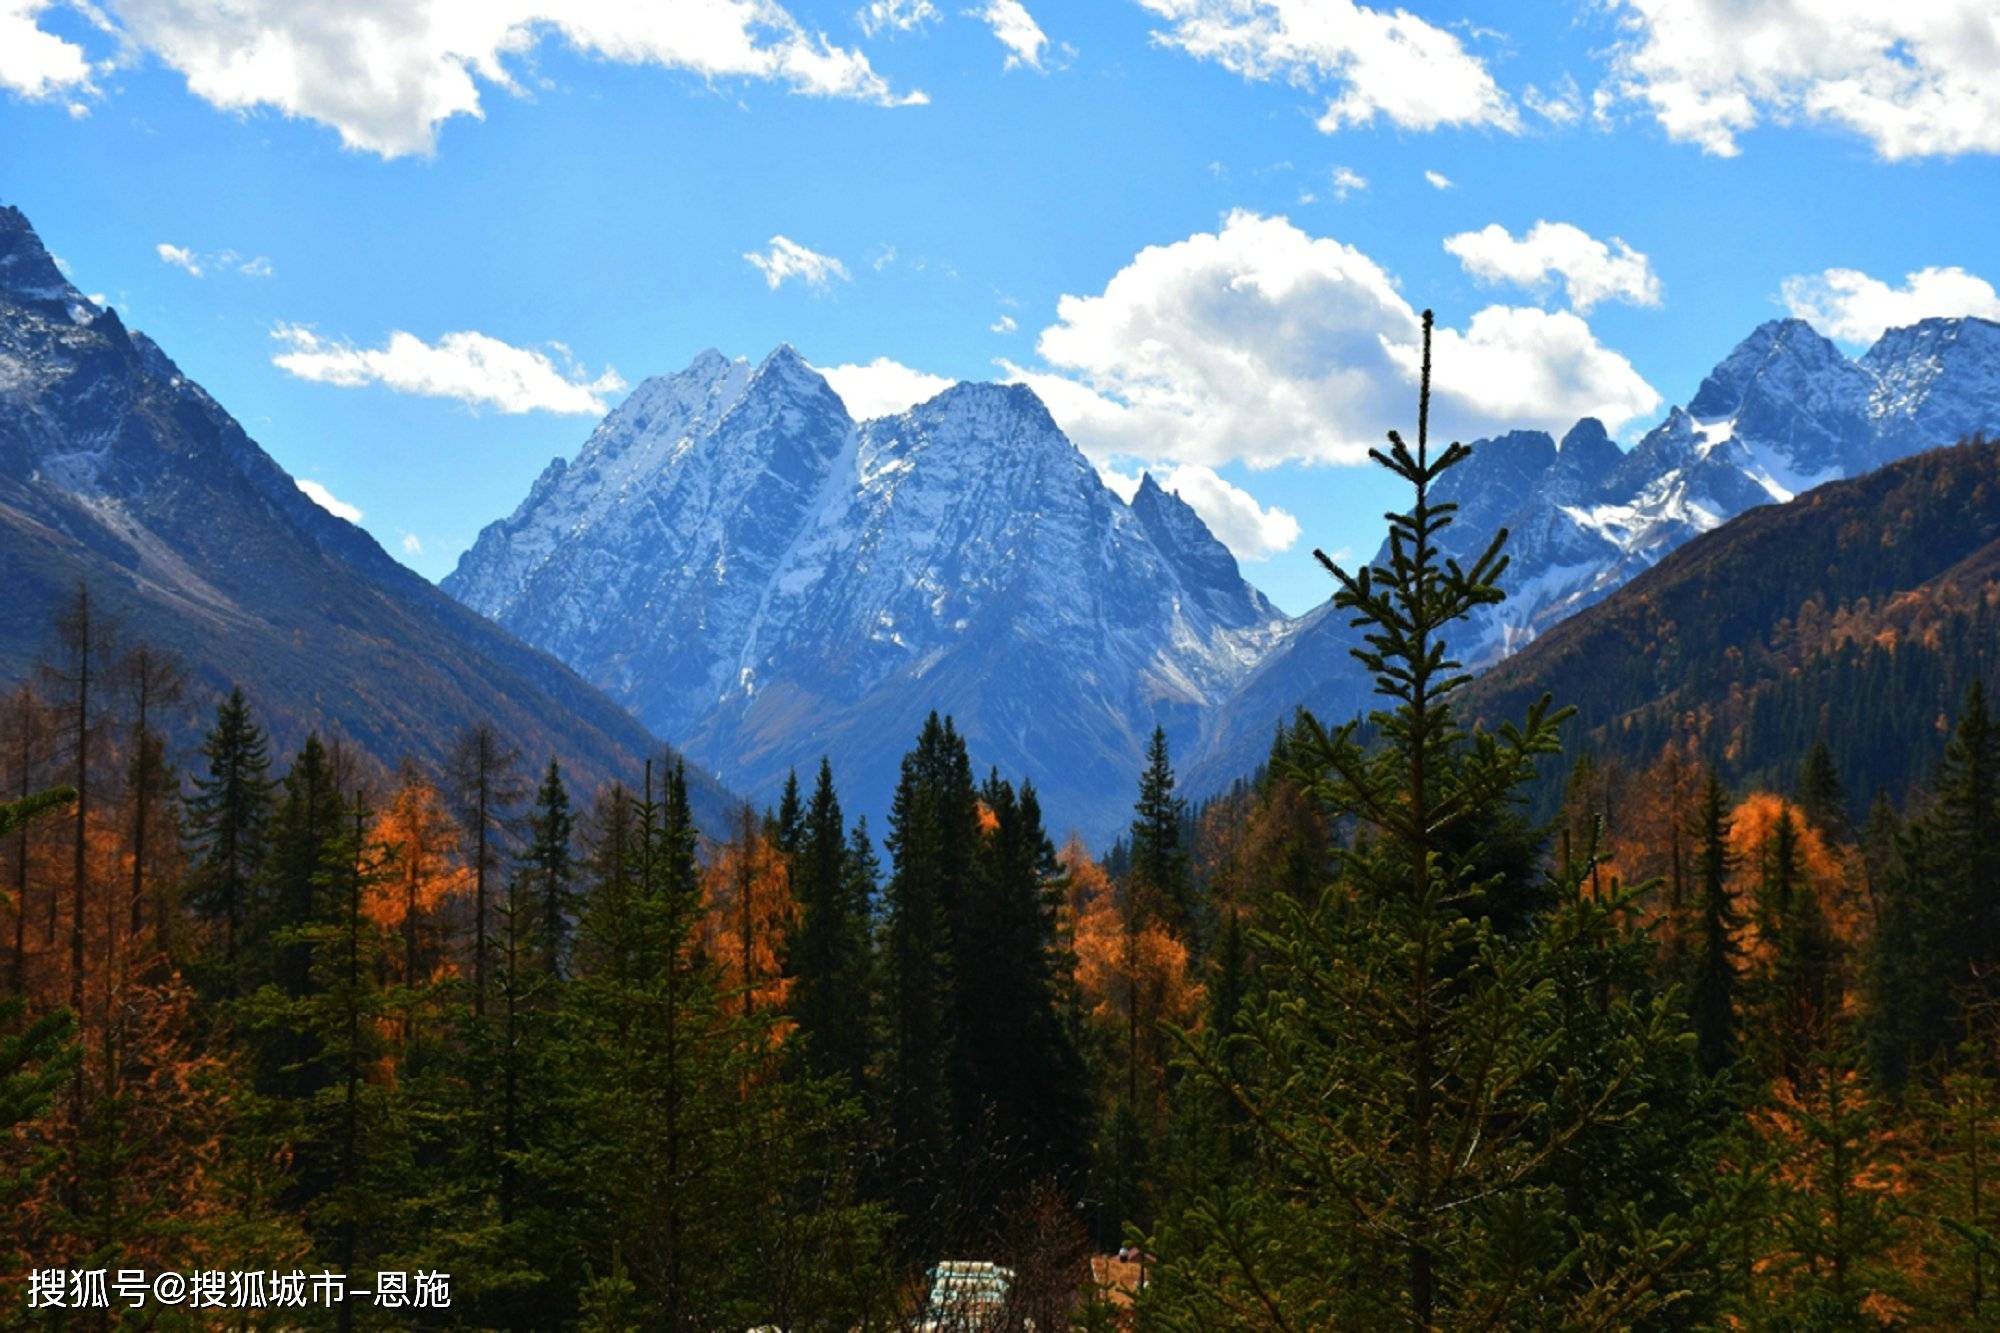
{"type": "Point", "coordinates": [1360, 1044]}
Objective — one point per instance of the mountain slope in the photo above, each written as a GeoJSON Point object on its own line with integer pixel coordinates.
{"type": "Point", "coordinates": [1857, 614]}
{"type": "Point", "coordinates": [766, 580]}
{"type": "Point", "coordinates": [117, 470]}
{"type": "Point", "coordinates": [1783, 413]}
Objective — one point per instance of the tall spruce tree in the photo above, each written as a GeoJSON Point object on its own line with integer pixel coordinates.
{"type": "Point", "coordinates": [830, 957]}
{"type": "Point", "coordinates": [1712, 991]}
{"type": "Point", "coordinates": [486, 786]}
{"type": "Point", "coordinates": [548, 864]}
{"type": "Point", "coordinates": [228, 824]}
{"type": "Point", "coordinates": [1159, 871]}
{"type": "Point", "coordinates": [1407, 1086]}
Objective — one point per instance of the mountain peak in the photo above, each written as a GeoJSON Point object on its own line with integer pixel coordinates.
{"type": "Point", "coordinates": [27, 270]}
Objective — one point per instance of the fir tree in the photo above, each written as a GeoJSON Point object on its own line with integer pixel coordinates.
{"type": "Point", "coordinates": [229, 818]}
{"type": "Point", "coordinates": [1712, 993]}
{"type": "Point", "coordinates": [1821, 796]}
{"type": "Point", "coordinates": [830, 960]}
{"type": "Point", "coordinates": [486, 785]}
{"type": "Point", "coordinates": [547, 862]}
{"type": "Point", "coordinates": [1402, 1082]}
{"type": "Point", "coordinates": [1159, 856]}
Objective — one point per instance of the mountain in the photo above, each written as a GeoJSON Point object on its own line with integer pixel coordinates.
{"type": "Point", "coordinates": [765, 580]}
{"type": "Point", "coordinates": [119, 471]}
{"type": "Point", "coordinates": [1783, 413]}
{"type": "Point", "coordinates": [1856, 615]}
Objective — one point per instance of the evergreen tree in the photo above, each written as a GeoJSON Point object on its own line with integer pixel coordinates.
{"type": "Point", "coordinates": [1712, 993]}
{"type": "Point", "coordinates": [830, 960]}
{"type": "Point", "coordinates": [1159, 855]}
{"type": "Point", "coordinates": [547, 863]}
{"type": "Point", "coordinates": [1406, 1082]}
{"type": "Point", "coordinates": [229, 818]}
{"type": "Point", "coordinates": [486, 785]}
{"type": "Point", "coordinates": [790, 821]}
{"type": "Point", "coordinates": [1821, 796]}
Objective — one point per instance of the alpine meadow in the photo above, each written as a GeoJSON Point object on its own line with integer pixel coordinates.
{"type": "Point", "coordinates": [1160, 728]}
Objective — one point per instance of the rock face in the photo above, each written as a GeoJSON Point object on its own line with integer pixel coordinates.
{"type": "Point", "coordinates": [1784, 412]}
{"type": "Point", "coordinates": [118, 471]}
{"type": "Point", "coordinates": [765, 580]}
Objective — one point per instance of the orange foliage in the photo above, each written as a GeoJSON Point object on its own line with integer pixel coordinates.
{"type": "Point", "coordinates": [1826, 870]}
{"type": "Point", "coordinates": [1131, 975]}
{"type": "Point", "coordinates": [749, 910]}
{"type": "Point", "coordinates": [426, 872]}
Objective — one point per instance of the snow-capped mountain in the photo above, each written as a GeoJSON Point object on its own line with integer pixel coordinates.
{"type": "Point", "coordinates": [118, 471]}
{"type": "Point", "coordinates": [1784, 412]}
{"type": "Point", "coordinates": [765, 580]}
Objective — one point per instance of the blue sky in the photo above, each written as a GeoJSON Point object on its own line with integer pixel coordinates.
{"type": "Point", "coordinates": [1236, 196]}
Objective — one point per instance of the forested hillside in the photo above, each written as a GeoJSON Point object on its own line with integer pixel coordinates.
{"type": "Point", "coordinates": [1858, 613]}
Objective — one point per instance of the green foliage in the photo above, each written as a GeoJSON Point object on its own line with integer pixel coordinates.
{"type": "Point", "coordinates": [1428, 1108]}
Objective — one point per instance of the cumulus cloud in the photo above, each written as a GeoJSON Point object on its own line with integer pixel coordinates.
{"type": "Point", "coordinates": [896, 16]}
{"type": "Point", "coordinates": [386, 74]}
{"type": "Point", "coordinates": [470, 367]}
{"type": "Point", "coordinates": [1346, 181]}
{"type": "Point", "coordinates": [412, 544]}
{"type": "Point", "coordinates": [1850, 305]}
{"type": "Point", "coordinates": [1915, 80]}
{"type": "Point", "coordinates": [179, 257]}
{"type": "Point", "coordinates": [1017, 30]}
{"type": "Point", "coordinates": [786, 258]}
{"type": "Point", "coordinates": [1438, 180]}
{"type": "Point", "coordinates": [1250, 530]}
{"type": "Point", "coordinates": [1591, 270]}
{"type": "Point", "coordinates": [1262, 344]}
{"type": "Point", "coordinates": [35, 64]}
{"type": "Point", "coordinates": [1368, 62]}
{"type": "Point", "coordinates": [328, 501]}
{"type": "Point", "coordinates": [882, 387]}
{"type": "Point", "coordinates": [1004, 324]}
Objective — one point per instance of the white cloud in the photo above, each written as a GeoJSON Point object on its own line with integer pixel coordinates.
{"type": "Point", "coordinates": [1261, 344]}
{"type": "Point", "coordinates": [35, 64]}
{"type": "Point", "coordinates": [1562, 106]}
{"type": "Point", "coordinates": [786, 258]}
{"type": "Point", "coordinates": [467, 366]}
{"type": "Point", "coordinates": [1004, 324]}
{"type": "Point", "coordinates": [1016, 29]}
{"type": "Point", "coordinates": [1346, 181]}
{"type": "Point", "coordinates": [1591, 270]}
{"type": "Point", "coordinates": [179, 257]}
{"type": "Point", "coordinates": [258, 267]}
{"type": "Point", "coordinates": [882, 388]}
{"type": "Point", "coordinates": [1914, 79]}
{"type": "Point", "coordinates": [387, 73]}
{"type": "Point", "coordinates": [1251, 530]}
{"type": "Point", "coordinates": [328, 501]}
{"type": "Point", "coordinates": [896, 16]}
{"type": "Point", "coordinates": [1438, 180]}
{"type": "Point", "coordinates": [412, 544]}
{"type": "Point", "coordinates": [1848, 304]}
{"type": "Point", "coordinates": [1368, 61]}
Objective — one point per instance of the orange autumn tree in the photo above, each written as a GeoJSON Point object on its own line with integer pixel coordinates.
{"type": "Point", "coordinates": [1127, 962]}
{"type": "Point", "coordinates": [428, 875]}
{"type": "Point", "coordinates": [748, 910]}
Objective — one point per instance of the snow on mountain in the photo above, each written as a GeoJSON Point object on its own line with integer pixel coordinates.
{"type": "Point", "coordinates": [1784, 412]}
{"type": "Point", "coordinates": [765, 580]}
{"type": "Point", "coordinates": [118, 471]}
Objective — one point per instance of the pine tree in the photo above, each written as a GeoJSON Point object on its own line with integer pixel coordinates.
{"type": "Point", "coordinates": [1401, 1083]}
{"type": "Point", "coordinates": [547, 862]}
{"type": "Point", "coordinates": [1159, 857]}
{"type": "Point", "coordinates": [486, 785]}
{"type": "Point", "coordinates": [830, 959]}
{"type": "Point", "coordinates": [791, 816]}
{"type": "Point", "coordinates": [1821, 796]}
{"type": "Point", "coordinates": [229, 818]}
{"type": "Point", "coordinates": [1712, 993]}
